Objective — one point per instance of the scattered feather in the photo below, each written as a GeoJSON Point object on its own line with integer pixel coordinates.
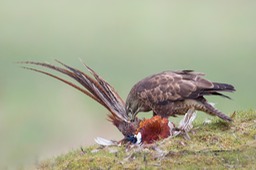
{"type": "Point", "coordinates": [105, 142]}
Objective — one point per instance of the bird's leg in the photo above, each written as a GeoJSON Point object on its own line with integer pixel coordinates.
{"type": "Point", "coordinates": [185, 124]}
{"type": "Point", "coordinates": [154, 114]}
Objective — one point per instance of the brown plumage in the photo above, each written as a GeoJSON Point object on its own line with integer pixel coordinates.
{"type": "Point", "coordinates": [96, 88]}
{"type": "Point", "coordinates": [137, 131]}
{"type": "Point", "coordinates": [153, 129]}
{"type": "Point", "coordinates": [172, 93]}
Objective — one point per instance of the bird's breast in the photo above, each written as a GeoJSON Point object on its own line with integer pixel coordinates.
{"type": "Point", "coordinates": [154, 129]}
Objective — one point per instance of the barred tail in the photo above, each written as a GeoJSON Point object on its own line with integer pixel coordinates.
{"type": "Point", "coordinates": [223, 87]}
{"type": "Point", "coordinates": [219, 87]}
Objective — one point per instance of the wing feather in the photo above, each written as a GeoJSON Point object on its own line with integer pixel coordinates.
{"type": "Point", "coordinates": [171, 86]}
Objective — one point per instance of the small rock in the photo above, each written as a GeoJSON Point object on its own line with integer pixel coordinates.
{"type": "Point", "coordinates": [112, 150]}
{"type": "Point", "coordinates": [183, 143]}
{"type": "Point", "coordinates": [95, 151]}
{"type": "Point", "coordinates": [207, 121]}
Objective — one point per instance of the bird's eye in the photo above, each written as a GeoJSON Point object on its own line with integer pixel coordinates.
{"type": "Point", "coordinates": [130, 110]}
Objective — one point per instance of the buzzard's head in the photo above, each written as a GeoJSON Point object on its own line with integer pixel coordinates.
{"type": "Point", "coordinates": [132, 107]}
{"type": "Point", "coordinates": [135, 104]}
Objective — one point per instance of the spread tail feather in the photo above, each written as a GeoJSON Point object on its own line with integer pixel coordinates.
{"type": "Point", "coordinates": [220, 87]}
{"type": "Point", "coordinates": [223, 87]}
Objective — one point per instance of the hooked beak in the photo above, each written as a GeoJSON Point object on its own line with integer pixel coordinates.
{"type": "Point", "coordinates": [132, 116]}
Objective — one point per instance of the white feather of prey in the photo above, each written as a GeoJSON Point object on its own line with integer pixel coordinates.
{"type": "Point", "coordinates": [186, 123]}
{"type": "Point", "coordinates": [105, 142]}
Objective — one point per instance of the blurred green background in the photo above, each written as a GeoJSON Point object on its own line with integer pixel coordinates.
{"type": "Point", "coordinates": [123, 41]}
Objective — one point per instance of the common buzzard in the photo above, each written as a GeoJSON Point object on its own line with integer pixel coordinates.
{"type": "Point", "coordinates": [172, 93]}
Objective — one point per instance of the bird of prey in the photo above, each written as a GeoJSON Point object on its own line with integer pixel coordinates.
{"type": "Point", "coordinates": [136, 132]}
{"type": "Point", "coordinates": [172, 93]}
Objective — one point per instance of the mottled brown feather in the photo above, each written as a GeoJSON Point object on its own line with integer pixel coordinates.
{"type": "Point", "coordinates": [171, 86]}
{"type": "Point", "coordinates": [165, 93]}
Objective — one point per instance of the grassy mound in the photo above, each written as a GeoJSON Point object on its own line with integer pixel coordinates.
{"type": "Point", "coordinates": [217, 145]}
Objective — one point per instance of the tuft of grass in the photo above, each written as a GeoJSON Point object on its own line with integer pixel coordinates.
{"type": "Point", "coordinates": [217, 145]}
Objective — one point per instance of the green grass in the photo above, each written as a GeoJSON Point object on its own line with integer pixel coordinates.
{"type": "Point", "coordinates": [217, 145]}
